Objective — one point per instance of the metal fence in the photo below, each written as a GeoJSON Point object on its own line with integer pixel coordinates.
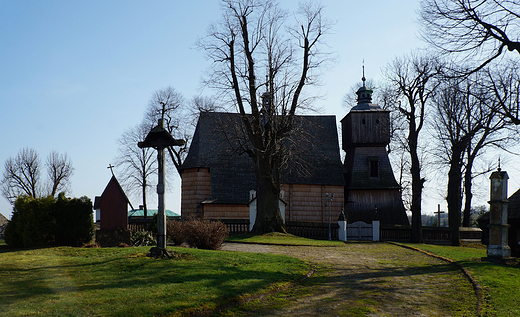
{"type": "Point", "coordinates": [358, 231]}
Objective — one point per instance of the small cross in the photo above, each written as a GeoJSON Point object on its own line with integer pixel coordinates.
{"type": "Point", "coordinates": [438, 212]}
{"type": "Point", "coordinates": [110, 166]}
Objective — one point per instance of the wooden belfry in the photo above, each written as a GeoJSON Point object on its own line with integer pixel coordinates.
{"type": "Point", "coordinates": [159, 139]}
{"type": "Point", "coordinates": [370, 181]}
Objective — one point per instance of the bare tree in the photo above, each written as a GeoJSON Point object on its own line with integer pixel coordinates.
{"type": "Point", "coordinates": [476, 30]}
{"type": "Point", "coordinates": [198, 105]}
{"type": "Point", "coordinates": [169, 105]}
{"type": "Point", "coordinates": [496, 132]}
{"type": "Point", "coordinates": [459, 118]}
{"type": "Point", "coordinates": [59, 172]}
{"type": "Point", "coordinates": [204, 104]}
{"type": "Point", "coordinates": [504, 82]}
{"type": "Point", "coordinates": [413, 80]}
{"type": "Point", "coordinates": [22, 175]}
{"type": "Point", "coordinates": [467, 121]}
{"type": "Point", "coordinates": [250, 44]}
{"type": "Point", "coordinates": [138, 166]}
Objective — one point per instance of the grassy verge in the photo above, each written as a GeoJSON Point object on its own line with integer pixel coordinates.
{"type": "Point", "coordinates": [2, 241]}
{"type": "Point", "coordinates": [500, 282]}
{"type": "Point", "coordinates": [123, 282]}
{"type": "Point", "coordinates": [281, 239]}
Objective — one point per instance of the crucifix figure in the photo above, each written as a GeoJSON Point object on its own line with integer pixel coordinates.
{"type": "Point", "coordinates": [111, 167]}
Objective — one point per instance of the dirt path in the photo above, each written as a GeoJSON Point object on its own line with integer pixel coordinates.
{"type": "Point", "coordinates": [367, 279]}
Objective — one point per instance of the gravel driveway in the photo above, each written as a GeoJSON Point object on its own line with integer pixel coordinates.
{"type": "Point", "coordinates": [367, 279]}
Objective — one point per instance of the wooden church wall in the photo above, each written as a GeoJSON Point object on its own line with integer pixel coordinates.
{"type": "Point", "coordinates": [307, 203]}
{"type": "Point", "coordinates": [362, 128]}
{"type": "Point", "coordinates": [387, 202]}
{"type": "Point", "coordinates": [225, 211]}
{"type": "Point", "coordinates": [196, 187]}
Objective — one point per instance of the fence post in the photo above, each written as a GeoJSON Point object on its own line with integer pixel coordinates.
{"type": "Point", "coordinates": [342, 231]}
{"type": "Point", "coordinates": [252, 208]}
{"type": "Point", "coordinates": [375, 230]}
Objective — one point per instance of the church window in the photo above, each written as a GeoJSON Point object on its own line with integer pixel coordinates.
{"type": "Point", "coordinates": [363, 121]}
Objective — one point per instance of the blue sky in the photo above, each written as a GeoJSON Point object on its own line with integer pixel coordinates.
{"type": "Point", "coordinates": [76, 74]}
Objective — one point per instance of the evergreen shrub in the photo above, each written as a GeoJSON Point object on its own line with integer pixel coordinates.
{"type": "Point", "coordinates": [46, 221]}
{"type": "Point", "coordinates": [32, 223]}
{"type": "Point", "coordinates": [74, 221]}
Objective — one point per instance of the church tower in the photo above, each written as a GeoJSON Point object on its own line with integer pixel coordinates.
{"type": "Point", "coordinates": [371, 190]}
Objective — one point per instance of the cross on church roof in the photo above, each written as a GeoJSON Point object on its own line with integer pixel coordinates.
{"type": "Point", "coordinates": [111, 167]}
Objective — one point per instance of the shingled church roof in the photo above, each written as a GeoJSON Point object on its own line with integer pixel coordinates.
{"type": "Point", "coordinates": [313, 158]}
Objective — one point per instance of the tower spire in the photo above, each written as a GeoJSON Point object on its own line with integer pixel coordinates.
{"type": "Point", "coordinates": [364, 94]}
{"type": "Point", "coordinates": [363, 78]}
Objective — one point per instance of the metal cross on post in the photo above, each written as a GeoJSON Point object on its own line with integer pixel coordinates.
{"type": "Point", "coordinates": [438, 212]}
{"type": "Point", "coordinates": [159, 139]}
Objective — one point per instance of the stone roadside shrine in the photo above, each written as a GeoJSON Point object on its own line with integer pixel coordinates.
{"type": "Point", "coordinates": [498, 248]}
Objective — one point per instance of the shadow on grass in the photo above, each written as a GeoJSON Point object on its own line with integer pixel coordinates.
{"type": "Point", "coordinates": [397, 288]}
{"type": "Point", "coordinates": [114, 277]}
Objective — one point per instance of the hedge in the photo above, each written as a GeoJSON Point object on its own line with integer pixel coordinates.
{"type": "Point", "coordinates": [47, 221]}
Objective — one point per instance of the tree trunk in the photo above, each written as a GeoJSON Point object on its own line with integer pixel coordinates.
{"type": "Point", "coordinates": [145, 209]}
{"type": "Point", "coordinates": [268, 217]}
{"type": "Point", "coordinates": [454, 194]}
{"type": "Point", "coordinates": [468, 193]}
{"type": "Point", "coordinates": [417, 186]}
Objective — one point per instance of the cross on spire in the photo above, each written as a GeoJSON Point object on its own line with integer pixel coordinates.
{"type": "Point", "coordinates": [111, 167]}
{"type": "Point", "coordinates": [363, 78]}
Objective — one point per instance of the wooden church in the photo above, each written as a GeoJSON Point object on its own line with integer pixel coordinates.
{"type": "Point", "coordinates": [371, 190]}
{"type": "Point", "coordinates": [218, 179]}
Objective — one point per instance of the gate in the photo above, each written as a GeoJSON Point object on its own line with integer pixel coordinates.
{"type": "Point", "coordinates": [360, 231]}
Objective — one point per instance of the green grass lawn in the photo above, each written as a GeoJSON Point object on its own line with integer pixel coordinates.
{"type": "Point", "coordinates": [283, 239]}
{"type": "Point", "coordinates": [68, 281]}
{"type": "Point", "coordinates": [501, 283]}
